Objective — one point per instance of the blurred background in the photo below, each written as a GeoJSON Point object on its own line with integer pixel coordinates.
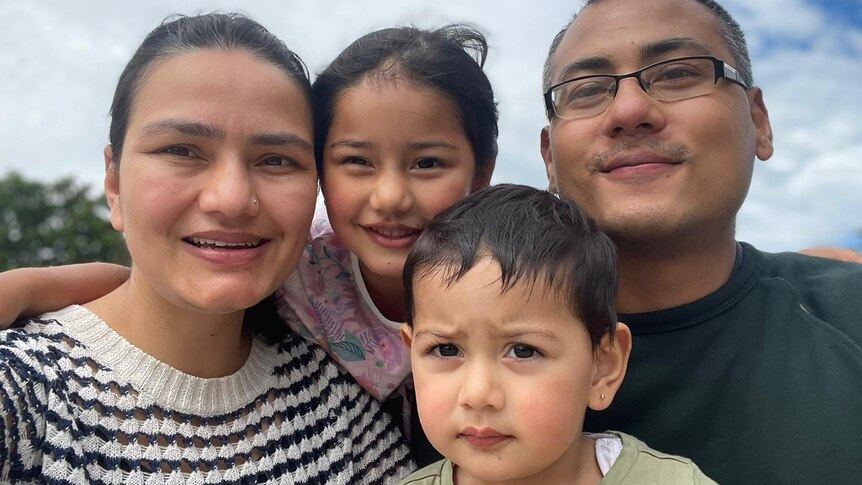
{"type": "Point", "coordinates": [59, 63]}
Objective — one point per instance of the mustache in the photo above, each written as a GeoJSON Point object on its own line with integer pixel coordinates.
{"type": "Point", "coordinates": [671, 151]}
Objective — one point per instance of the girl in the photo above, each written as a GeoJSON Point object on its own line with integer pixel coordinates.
{"type": "Point", "coordinates": [160, 381]}
{"type": "Point", "coordinates": [406, 126]}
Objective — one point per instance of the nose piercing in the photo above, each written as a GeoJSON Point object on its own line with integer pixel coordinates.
{"type": "Point", "coordinates": [254, 200]}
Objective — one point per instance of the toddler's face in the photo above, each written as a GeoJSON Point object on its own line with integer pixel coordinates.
{"type": "Point", "coordinates": [395, 156]}
{"type": "Point", "coordinates": [502, 380]}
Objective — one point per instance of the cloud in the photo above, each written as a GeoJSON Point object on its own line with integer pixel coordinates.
{"type": "Point", "coordinates": [60, 64]}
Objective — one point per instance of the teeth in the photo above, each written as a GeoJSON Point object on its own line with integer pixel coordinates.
{"type": "Point", "coordinates": [221, 244]}
{"type": "Point", "coordinates": [394, 232]}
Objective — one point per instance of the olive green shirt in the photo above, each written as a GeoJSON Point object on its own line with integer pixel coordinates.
{"type": "Point", "coordinates": [637, 464]}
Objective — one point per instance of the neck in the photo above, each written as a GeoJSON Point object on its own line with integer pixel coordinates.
{"type": "Point", "coordinates": [386, 292]}
{"type": "Point", "coordinates": [196, 343]}
{"type": "Point", "coordinates": [660, 276]}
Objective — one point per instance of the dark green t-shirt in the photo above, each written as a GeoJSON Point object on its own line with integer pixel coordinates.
{"type": "Point", "coordinates": [759, 382]}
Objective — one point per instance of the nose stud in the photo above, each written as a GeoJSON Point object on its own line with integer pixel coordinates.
{"type": "Point", "coordinates": [254, 201]}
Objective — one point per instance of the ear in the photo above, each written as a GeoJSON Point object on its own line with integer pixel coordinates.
{"type": "Point", "coordinates": [760, 117]}
{"type": "Point", "coordinates": [611, 360]}
{"type": "Point", "coordinates": [407, 335]}
{"type": "Point", "coordinates": [112, 190]}
{"type": "Point", "coordinates": [482, 177]}
{"type": "Point", "coordinates": [549, 159]}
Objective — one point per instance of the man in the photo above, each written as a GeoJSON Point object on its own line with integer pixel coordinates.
{"type": "Point", "coordinates": [747, 362]}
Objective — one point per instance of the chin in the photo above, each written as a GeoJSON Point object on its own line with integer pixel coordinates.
{"type": "Point", "coordinates": [223, 303]}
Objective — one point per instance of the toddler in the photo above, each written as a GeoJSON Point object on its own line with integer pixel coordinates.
{"type": "Point", "coordinates": [513, 335]}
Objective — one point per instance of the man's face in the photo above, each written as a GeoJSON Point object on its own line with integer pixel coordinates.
{"type": "Point", "coordinates": [650, 170]}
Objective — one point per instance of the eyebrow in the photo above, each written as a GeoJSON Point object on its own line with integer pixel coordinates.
{"type": "Point", "coordinates": [281, 139]}
{"type": "Point", "coordinates": [648, 53]}
{"type": "Point", "coordinates": [654, 50]}
{"type": "Point", "coordinates": [349, 143]}
{"type": "Point", "coordinates": [209, 130]}
{"type": "Point", "coordinates": [426, 144]}
{"type": "Point", "coordinates": [419, 145]}
{"type": "Point", "coordinates": [511, 333]}
{"type": "Point", "coordinates": [184, 127]}
{"type": "Point", "coordinates": [437, 332]}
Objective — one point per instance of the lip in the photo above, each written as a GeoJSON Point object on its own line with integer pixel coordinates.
{"type": "Point", "coordinates": [223, 248]}
{"type": "Point", "coordinates": [393, 236]}
{"type": "Point", "coordinates": [637, 164]}
{"type": "Point", "coordinates": [484, 438]}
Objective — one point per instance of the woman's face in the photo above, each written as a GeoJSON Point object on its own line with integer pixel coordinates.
{"type": "Point", "coordinates": [216, 184]}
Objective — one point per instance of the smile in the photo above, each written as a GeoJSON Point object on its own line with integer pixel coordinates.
{"type": "Point", "coordinates": [212, 243]}
{"type": "Point", "coordinates": [394, 232]}
{"type": "Point", "coordinates": [398, 238]}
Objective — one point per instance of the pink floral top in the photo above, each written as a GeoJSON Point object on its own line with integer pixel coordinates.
{"type": "Point", "coordinates": [325, 301]}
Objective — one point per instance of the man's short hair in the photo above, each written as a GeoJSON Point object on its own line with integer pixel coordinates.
{"type": "Point", "coordinates": [731, 32]}
{"type": "Point", "coordinates": [536, 238]}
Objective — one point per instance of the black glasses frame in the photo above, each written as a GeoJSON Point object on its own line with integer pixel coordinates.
{"type": "Point", "coordinates": [722, 70]}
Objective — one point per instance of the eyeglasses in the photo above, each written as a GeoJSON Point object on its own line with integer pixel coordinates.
{"type": "Point", "coordinates": [671, 80]}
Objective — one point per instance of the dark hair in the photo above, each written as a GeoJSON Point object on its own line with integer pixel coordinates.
{"type": "Point", "coordinates": [536, 238]}
{"type": "Point", "coordinates": [181, 34]}
{"type": "Point", "coordinates": [731, 32]}
{"type": "Point", "coordinates": [439, 59]}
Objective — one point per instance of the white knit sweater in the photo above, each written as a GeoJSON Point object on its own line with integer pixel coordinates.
{"type": "Point", "coordinates": [79, 404]}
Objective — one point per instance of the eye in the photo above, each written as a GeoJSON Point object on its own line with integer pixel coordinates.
{"type": "Point", "coordinates": [584, 93]}
{"type": "Point", "coordinates": [277, 161]}
{"type": "Point", "coordinates": [356, 161]}
{"type": "Point", "coordinates": [178, 151]}
{"type": "Point", "coordinates": [426, 163]}
{"type": "Point", "coordinates": [523, 352]}
{"type": "Point", "coordinates": [588, 90]}
{"type": "Point", "coordinates": [679, 74]}
{"type": "Point", "coordinates": [445, 350]}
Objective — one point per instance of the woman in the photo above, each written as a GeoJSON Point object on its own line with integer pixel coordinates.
{"type": "Point", "coordinates": [160, 381]}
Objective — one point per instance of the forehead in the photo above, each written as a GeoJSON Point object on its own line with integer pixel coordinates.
{"type": "Point", "coordinates": [620, 34]}
{"type": "Point", "coordinates": [374, 87]}
{"type": "Point", "coordinates": [224, 85]}
{"type": "Point", "coordinates": [482, 286]}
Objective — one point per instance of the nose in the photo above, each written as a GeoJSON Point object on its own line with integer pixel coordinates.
{"type": "Point", "coordinates": [228, 189]}
{"type": "Point", "coordinates": [391, 194]}
{"type": "Point", "coordinates": [480, 388]}
{"type": "Point", "coordinates": [632, 111]}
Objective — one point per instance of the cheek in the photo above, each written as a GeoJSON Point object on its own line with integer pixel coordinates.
{"type": "Point", "coordinates": [569, 150]}
{"type": "Point", "coordinates": [554, 412]}
{"type": "Point", "coordinates": [443, 194]}
{"type": "Point", "coordinates": [292, 206]}
{"type": "Point", "coordinates": [435, 398]}
{"type": "Point", "coordinates": [154, 202]}
{"type": "Point", "coordinates": [341, 197]}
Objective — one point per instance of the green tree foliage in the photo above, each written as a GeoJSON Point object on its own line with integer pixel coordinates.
{"type": "Point", "coordinates": [47, 224]}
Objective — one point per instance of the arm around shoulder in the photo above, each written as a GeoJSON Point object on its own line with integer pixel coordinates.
{"type": "Point", "coordinates": [26, 292]}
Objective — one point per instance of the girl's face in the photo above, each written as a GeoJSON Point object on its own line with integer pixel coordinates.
{"type": "Point", "coordinates": [396, 155]}
{"type": "Point", "coordinates": [216, 186]}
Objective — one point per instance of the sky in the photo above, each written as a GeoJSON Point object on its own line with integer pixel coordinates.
{"type": "Point", "coordinates": [60, 61]}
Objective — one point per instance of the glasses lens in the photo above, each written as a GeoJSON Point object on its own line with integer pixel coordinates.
{"type": "Point", "coordinates": [680, 78]}
{"type": "Point", "coordinates": [583, 97]}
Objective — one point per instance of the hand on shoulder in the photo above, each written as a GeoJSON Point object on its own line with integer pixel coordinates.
{"type": "Point", "coordinates": [841, 254]}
